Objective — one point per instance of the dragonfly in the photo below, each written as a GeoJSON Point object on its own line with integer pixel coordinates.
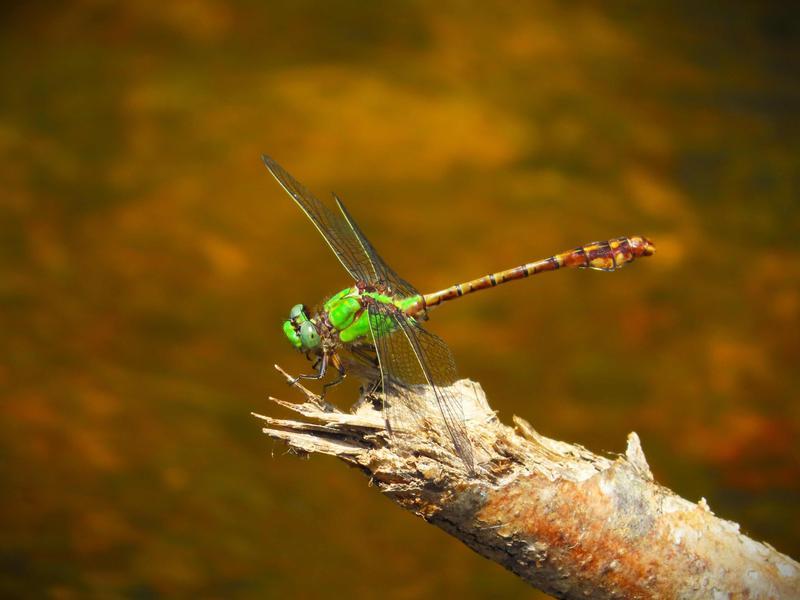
{"type": "Point", "coordinates": [375, 326]}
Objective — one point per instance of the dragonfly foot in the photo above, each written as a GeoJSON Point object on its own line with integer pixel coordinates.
{"type": "Point", "coordinates": [367, 396]}
{"type": "Point", "coordinates": [317, 399]}
{"type": "Point", "coordinates": [323, 404]}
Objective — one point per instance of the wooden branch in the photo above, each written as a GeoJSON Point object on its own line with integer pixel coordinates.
{"type": "Point", "coordinates": [569, 522]}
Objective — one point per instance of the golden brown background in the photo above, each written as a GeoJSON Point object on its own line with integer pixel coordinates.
{"type": "Point", "coordinates": [147, 259]}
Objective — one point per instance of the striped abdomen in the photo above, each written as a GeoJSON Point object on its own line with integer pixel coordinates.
{"type": "Point", "coordinates": [603, 256]}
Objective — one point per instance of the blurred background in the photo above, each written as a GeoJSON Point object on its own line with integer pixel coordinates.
{"type": "Point", "coordinates": [147, 259]}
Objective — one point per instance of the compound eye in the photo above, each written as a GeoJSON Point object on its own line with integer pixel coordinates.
{"type": "Point", "coordinates": [290, 332]}
{"type": "Point", "coordinates": [297, 311]}
{"type": "Point", "coordinates": [309, 335]}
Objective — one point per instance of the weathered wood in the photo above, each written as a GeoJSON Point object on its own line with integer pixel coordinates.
{"type": "Point", "coordinates": [569, 522]}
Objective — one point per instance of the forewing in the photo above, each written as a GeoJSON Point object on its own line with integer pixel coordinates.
{"type": "Point", "coordinates": [410, 356]}
{"type": "Point", "coordinates": [383, 272]}
{"type": "Point", "coordinates": [333, 226]}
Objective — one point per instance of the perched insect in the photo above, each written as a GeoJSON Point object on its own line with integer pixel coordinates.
{"type": "Point", "coordinates": [375, 324]}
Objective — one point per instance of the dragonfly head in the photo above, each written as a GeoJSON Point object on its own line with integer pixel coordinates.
{"type": "Point", "coordinates": [301, 331]}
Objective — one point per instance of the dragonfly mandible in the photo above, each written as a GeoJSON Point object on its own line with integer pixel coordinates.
{"type": "Point", "coordinates": [375, 325]}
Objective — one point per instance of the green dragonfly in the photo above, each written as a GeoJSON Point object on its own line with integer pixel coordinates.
{"type": "Point", "coordinates": [374, 327]}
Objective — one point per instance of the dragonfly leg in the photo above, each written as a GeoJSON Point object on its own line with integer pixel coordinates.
{"type": "Point", "coordinates": [342, 374]}
{"type": "Point", "coordinates": [323, 368]}
{"type": "Point", "coordinates": [374, 387]}
{"type": "Point", "coordinates": [323, 362]}
{"type": "Point", "coordinates": [366, 395]}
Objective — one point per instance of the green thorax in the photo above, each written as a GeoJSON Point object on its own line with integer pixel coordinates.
{"type": "Point", "coordinates": [347, 313]}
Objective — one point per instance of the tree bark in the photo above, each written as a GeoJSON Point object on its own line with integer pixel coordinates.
{"type": "Point", "coordinates": [567, 521]}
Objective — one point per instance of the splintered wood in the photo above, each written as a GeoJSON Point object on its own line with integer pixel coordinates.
{"type": "Point", "coordinates": [569, 522]}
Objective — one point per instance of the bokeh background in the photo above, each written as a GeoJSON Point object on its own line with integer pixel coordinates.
{"type": "Point", "coordinates": [147, 259]}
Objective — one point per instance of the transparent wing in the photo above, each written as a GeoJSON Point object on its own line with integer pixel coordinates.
{"type": "Point", "coordinates": [336, 230]}
{"type": "Point", "coordinates": [384, 272]}
{"type": "Point", "coordinates": [410, 356]}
